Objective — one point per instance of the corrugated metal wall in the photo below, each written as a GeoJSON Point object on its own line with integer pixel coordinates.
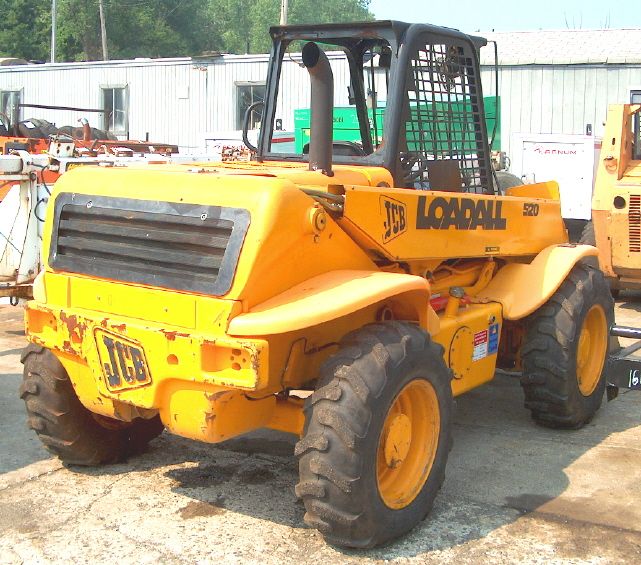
{"type": "Point", "coordinates": [223, 76]}
{"type": "Point", "coordinates": [179, 100]}
{"type": "Point", "coordinates": [559, 99]}
{"type": "Point", "coordinates": [173, 101]}
{"type": "Point", "coordinates": [176, 101]}
{"type": "Point", "coordinates": [166, 99]}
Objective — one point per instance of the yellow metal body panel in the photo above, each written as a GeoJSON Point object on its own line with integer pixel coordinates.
{"type": "Point", "coordinates": [432, 225]}
{"type": "Point", "coordinates": [327, 297]}
{"type": "Point", "coordinates": [305, 278]}
{"type": "Point", "coordinates": [548, 189]}
{"type": "Point", "coordinates": [523, 287]}
{"type": "Point", "coordinates": [152, 304]}
{"type": "Point", "coordinates": [616, 201]}
{"type": "Point", "coordinates": [279, 221]}
{"type": "Point", "coordinates": [472, 365]}
{"type": "Point", "coordinates": [171, 352]}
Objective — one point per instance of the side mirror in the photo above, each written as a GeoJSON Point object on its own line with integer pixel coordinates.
{"type": "Point", "coordinates": [248, 113]}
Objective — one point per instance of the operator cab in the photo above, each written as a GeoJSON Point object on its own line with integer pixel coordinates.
{"type": "Point", "coordinates": [406, 97]}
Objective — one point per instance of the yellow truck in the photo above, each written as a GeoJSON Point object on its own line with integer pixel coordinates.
{"type": "Point", "coordinates": [345, 294]}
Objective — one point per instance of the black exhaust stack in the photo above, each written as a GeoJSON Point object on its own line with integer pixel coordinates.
{"type": "Point", "coordinates": [322, 108]}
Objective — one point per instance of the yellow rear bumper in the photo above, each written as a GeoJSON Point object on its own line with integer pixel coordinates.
{"type": "Point", "coordinates": [193, 377]}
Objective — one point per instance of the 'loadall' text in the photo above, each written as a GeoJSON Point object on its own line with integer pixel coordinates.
{"type": "Point", "coordinates": [460, 213]}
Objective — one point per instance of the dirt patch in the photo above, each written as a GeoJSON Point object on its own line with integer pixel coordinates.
{"type": "Point", "coordinates": [255, 476]}
{"type": "Point", "coordinates": [252, 446]}
{"type": "Point", "coordinates": [579, 540]}
{"type": "Point", "coordinates": [204, 476]}
{"type": "Point", "coordinates": [19, 517]}
{"type": "Point", "coordinates": [198, 508]}
{"type": "Point", "coordinates": [527, 502]}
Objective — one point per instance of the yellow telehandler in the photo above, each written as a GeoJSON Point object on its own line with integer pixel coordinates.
{"type": "Point", "coordinates": [615, 228]}
{"type": "Point", "coordinates": [344, 293]}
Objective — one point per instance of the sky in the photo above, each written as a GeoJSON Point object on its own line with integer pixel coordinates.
{"type": "Point", "coordinates": [506, 15]}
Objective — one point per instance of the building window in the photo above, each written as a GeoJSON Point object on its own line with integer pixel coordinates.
{"type": "Point", "coordinates": [10, 105]}
{"type": "Point", "coordinates": [246, 95]}
{"type": "Point", "coordinates": [115, 104]}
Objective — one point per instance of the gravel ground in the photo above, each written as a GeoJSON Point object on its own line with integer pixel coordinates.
{"type": "Point", "coordinates": [513, 492]}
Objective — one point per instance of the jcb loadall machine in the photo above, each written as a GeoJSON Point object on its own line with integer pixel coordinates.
{"type": "Point", "coordinates": [376, 280]}
{"type": "Point", "coordinates": [615, 227]}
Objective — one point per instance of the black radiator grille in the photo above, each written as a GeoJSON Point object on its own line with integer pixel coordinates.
{"type": "Point", "coordinates": [170, 245]}
{"type": "Point", "coordinates": [634, 223]}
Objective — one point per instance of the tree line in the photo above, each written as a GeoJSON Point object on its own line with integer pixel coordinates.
{"type": "Point", "coordinates": [156, 28]}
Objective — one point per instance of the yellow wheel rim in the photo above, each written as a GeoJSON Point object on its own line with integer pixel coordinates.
{"type": "Point", "coordinates": [407, 444]}
{"type": "Point", "coordinates": [591, 350]}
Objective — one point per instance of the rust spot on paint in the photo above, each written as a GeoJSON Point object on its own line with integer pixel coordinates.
{"type": "Point", "coordinates": [254, 355]}
{"type": "Point", "coordinates": [214, 396]}
{"type": "Point", "coordinates": [76, 328]}
{"type": "Point", "coordinates": [172, 335]}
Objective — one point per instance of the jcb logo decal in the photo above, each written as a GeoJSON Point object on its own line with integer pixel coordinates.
{"type": "Point", "coordinates": [461, 213]}
{"type": "Point", "coordinates": [123, 361]}
{"type": "Point", "coordinates": [395, 218]}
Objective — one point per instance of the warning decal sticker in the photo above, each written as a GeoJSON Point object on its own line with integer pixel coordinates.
{"type": "Point", "coordinates": [480, 345]}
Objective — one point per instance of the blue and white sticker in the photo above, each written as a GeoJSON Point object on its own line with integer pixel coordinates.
{"type": "Point", "coordinates": [493, 343]}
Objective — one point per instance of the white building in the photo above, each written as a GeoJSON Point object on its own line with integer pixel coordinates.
{"type": "Point", "coordinates": [556, 82]}
{"type": "Point", "coordinates": [561, 82]}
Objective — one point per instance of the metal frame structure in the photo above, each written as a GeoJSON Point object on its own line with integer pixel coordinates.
{"type": "Point", "coordinates": [458, 94]}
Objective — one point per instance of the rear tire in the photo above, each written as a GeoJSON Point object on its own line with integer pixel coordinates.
{"type": "Point", "coordinates": [588, 238]}
{"type": "Point", "coordinates": [377, 436]}
{"type": "Point", "coordinates": [37, 129]}
{"type": "Point", "coordinates": [65, 427]}
{"type": "Point", "coordinates": [564, 351]}
{"type": "Point", "coordinates": [506, 180]}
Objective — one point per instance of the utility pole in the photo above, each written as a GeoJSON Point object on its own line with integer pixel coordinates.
{"type": "Point", "coordinates": [283, 12]}
{"type": "Point", "coordinates": [53, 31]}
{"type": "Point", "coordinates": [103, 32]}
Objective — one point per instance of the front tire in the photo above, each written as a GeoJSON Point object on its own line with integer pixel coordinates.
{"type": "Point", "coordinates": [65, 427]}
{"type": "Point", "coordinates": [377, 436]}
{"type": "Point", "coordinates": [564, 351]}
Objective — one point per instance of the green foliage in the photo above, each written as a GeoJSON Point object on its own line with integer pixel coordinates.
{"type": "Point", "coordinates": [135, 28]}
{"type": "Point", "coordinates": [25, 27]}
{"type": "Point", "coordinates": [246, 22]}
{"type": "Point", "coordinates": [157, 28]}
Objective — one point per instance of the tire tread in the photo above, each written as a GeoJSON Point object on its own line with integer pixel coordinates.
{"type": "Point", "coordinates": [331, 466]}
{"type": "Point", "coordinates": [64, 426]}
{"type": "Point", "coordinates": [549, 372]}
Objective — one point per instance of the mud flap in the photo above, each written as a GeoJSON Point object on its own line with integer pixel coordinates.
{"type": "Point", "coordinates": [623, 367]}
